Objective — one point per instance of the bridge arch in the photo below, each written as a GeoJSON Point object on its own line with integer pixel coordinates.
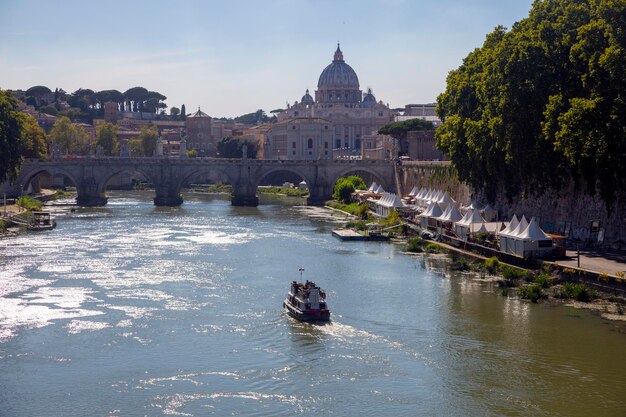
{"type": "Point", "coordinates": [26, 177]}
{"type": "Point", "coordinates": [371, 175]}
{"type": "Point", "coordinates": [108, 175]}
{"type": "Point", "coordinates": [274, 170]}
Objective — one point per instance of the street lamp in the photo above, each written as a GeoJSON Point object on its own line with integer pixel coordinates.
{"type": "Point", "coordinates": [301, 270]}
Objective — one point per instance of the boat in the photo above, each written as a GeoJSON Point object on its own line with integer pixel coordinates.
{"type": "Point", "coordinates": [307, 302]}
{"type": "Point", "coordinates": [41, 220]}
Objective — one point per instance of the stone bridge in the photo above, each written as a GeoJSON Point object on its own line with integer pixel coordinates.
{"type": "Point", "coordinates": [170, 175]}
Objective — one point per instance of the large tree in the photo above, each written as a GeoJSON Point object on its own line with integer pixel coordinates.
{"type": "Point", "coordinates": [232, 147]}
{"type": "Point", "coordinates": [148, 136]}
{"type": "Point", "coordinates": [543, 102]}
{"type": "Point", "coordinates": [10, 132]}
{"type": "Point", "coordinates": [32, 138]}
{"type": "Point", "coordinates": [106, 136]}
{"type": "Point", "coordinates": [69, 138]}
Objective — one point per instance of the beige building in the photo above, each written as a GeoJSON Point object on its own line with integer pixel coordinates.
{"type": "Point", "coordinates": [199, 135]}
{"type": "Point", "coordinates": [334, 124]}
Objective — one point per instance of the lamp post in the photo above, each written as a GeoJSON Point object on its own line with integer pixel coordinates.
{"type": "Point", "coordinates": [301, 270]}
{"type": "Point", "coordinates": [5, 204]}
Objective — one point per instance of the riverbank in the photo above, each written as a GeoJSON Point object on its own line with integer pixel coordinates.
{"type": "Point", "coordinates": [548, 282]}
{"type": "Point", "coordinates": [9, 228]}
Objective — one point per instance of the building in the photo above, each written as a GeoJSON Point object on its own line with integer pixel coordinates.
{"type": "Point", "coordinates": [199, 135]}
{"type": "Point", "coordinates": [334, 124]}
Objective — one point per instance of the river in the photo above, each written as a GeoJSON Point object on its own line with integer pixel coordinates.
{"type": "Point", "coordinates": [133, 310]}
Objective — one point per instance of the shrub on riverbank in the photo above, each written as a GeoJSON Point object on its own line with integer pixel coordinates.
{"type": "Point", "coordinates": [530, 292]}
{"type": "Point", "coordinates": [415, 245]}
{"type": "Point", "coordinates": [514, 274]}
{"type": "Point", "coordinates": [577, 291]}
{"type": "Point", "coordinates": [543, 280]}
{"type": "Point", "coordinates": [29, 203]}
{"type": "Point", "coordinates": [492, 264]}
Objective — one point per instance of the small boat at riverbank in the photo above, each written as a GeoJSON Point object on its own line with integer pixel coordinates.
{"type": "Point", "coordinates": [307, 302]}
{"type": "Point", "coordinates": [41, 220]}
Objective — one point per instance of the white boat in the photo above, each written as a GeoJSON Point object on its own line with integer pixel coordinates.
{"type": "Point", "coordinates": [306, 302]}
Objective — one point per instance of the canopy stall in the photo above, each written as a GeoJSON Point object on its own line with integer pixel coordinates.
{"type": "Point", "coordinates": [504, 233]}
{"type": "Point", "coordinates": [469, 224]}
{"type": "Point", "coordinates": [532, 241]}
{"type": "Point", "coordinates": [432, 211]}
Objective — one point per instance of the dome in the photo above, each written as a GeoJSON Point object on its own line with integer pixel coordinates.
{"type": "Point", "coordinates": [306, 98]}
{"type": "Point", "coordinates": [368, 99]}
{"type": "Point", "coordinates": [199, 113]}
{"type": "Point", "coordinates": [338, 74]}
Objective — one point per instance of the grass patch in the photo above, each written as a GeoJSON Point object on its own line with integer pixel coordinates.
{"type": "Point", "coordinates": [415, 245]}
{"type": "Point", "coordinates": [356, 209]}
{"type": "Point", "coordinates": [492, 264]}
{"type": "Point", "coordinates": [543, 280]}
{"type": "Point", "coordinates": [288, 191]}
{"type": "Point", "coordinates": [514, 274]}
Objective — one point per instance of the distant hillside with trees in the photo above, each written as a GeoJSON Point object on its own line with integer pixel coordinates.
{"type": "Point", "coordinates": [543, 103]}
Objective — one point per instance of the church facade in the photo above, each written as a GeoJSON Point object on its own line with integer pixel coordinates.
{"type": "Point", "coordinates": [331, 125]}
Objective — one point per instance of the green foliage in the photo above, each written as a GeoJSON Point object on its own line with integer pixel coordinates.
{"type": "Point", "coordinates": [399, 130]}
{"type": "Point", "coordinates": [49, 109]}
{"type": "Point", "coordinates": [70, 138]}
{"type": "Point", "coordinates": [355, 209]}
{"type": "Point", "coordinates": [392, 219]}
{"type": "Point", "coordinates": [28, 203]}
{"type": "Point", "coordinates": [232, 147]}
{"type": "Point", "coordinates": [288, 191]}
{"type": "Point", "coordinates": [492, 264]}
{"type": "Point", "coordinates": [257, 117]}
{"type": "Point", "coordinates": [416, 245]}
{"type": "Point", "coordinates": [543, 280]}
{"type": "Point", "coordinates": [148, 136]}
{"type": "Point", "coordinates": [345, 186]}
{"type": "Point", "coordinates": [183, 112]}
{"type": "Point", "coordinates": [530, 292]}
{"type": "Point", "coordinates": [514, 274]}
{"type": "Point", "coordinates": [542, 103]}
{"type": "Point", "coordinates": [10, 133]}
{"type": "Point", "coordinates": [577, 291]}
{"type": "Point", "coordinates": [192, 153]}
{"type": "Point", "coordinates": [106, 136]}
{"type": "Point", "coordinates": [32, 138]}
{"type": "Point", "coordinates": [434, 248]}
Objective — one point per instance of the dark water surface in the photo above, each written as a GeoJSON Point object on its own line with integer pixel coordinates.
{"type": "Point", "coordinates": [132, 310]}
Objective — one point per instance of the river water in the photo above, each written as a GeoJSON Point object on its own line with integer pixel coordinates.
{"type": "Point", "coordinates": [132, 310]}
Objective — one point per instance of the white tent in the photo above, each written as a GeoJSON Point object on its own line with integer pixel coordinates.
{"type": "Point", "coordinates": [388, 203]}
{"type": "Point", "coordinates": [472, 206]}
{"type": "Point", "coordinates": [379, 190]}
{"type": "Point", "coordinates": [414, 191]}
{"type": "Point", "coordinates": [446, 199]}
{"type": "Point", "coordinates": [504, 233]}
{"type": "Point", "coordinates": [489, 213]}
{"type": "Point", "coordinates": [512, 235]}
{"type": "Point", "coordinates": [433, 210]}
{"type": "Point", "coordinates": [451, 215]}
{"type": "Point", "coordinates": [532, 241]}
{"type": "Point", "coordinates": [373, 187]}
{"type": "Point", "coordinates": [469, 224]}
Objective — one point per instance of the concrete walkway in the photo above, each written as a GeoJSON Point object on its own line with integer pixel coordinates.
{"type": "Point", "coordinates": [597, 261]}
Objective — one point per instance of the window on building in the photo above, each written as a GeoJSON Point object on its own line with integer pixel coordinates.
{"type": "Point", "coordinates": [293, 127]}
{"type": "Point", "coordinates": [293, 145]}
{"type": "Point", "coordinates": [310, 143]}
{"type": "Point", "coordinates": [297, 113]}
{"type": "Point", "coordinates": [380, 114]}
{"type": "Point", "coordinates": [325, 145]}
{"type": "Point", "coordinates": [357, 144]}
{"type": "Point", "coordinates": [338, 144]}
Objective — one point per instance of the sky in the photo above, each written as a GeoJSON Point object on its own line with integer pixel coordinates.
{"type": "Point", "coordinates": [235, 57]}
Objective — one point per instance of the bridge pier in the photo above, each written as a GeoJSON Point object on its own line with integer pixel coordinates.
{"type": "Point", "coordinates": [167, 197]}
{"type": "Point", "coordinates": [88, 194]}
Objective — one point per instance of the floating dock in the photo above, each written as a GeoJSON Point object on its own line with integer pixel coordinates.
{"type": "Point", "coordinates": [347, 234]}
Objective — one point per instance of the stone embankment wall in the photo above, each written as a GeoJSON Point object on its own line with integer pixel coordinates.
{"type": "Point", "coordinates": [435, 175]}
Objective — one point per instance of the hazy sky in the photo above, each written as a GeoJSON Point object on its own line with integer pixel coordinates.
{"type": "Point", "coordinates": [234, 57]}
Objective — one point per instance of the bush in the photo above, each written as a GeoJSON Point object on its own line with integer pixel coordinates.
{"type": "Point", "coordinates": [492, 264]}
{"type": "Point", "coordinates": [415, 244]}
{"type": "Point", "coordinates": [434, 248]}
{"type": "Point", "coordinates": [29, 203]}
{"type": "Point", "coordinates": [460, 265]}
{"type": "Point", "coordinates": [578, 292]}
{"type": "Point", "coordinates": [530, 292]}
{"type": "Point", "coordinates": [543, 280]}
{"type": "Point", "coordinates": [510, 273]}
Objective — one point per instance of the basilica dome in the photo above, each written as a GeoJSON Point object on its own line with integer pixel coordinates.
{"type": "Point", "coordinates": [338, 74]}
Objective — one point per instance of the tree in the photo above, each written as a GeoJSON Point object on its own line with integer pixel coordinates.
{"type": "Point", "coordinates": [135, 148]}
{"type": "Point", "coordinates": [399, 130]}
{"type": "Point", "coordinates": [137, 95]}
{"type": "Point", "coordinates": [32, 138]}
{"type": "Point", "coordinates": [345, 186]}
{"type": "Point", "coordinates": [543, 103]}
{"type": "Point", "coordinates": [10, 133]}
{"type": "Point", "coordinates": [37, 93]}
{"type": "Point", "coordinates": [70, 138]}
{"type": "Point", "coordinates": [183, 112]}
{"type": "Point", "coordinates": [174, 112]}
{"type": "Point", "coordinates": [106, 136]}
{"type": "Point", "coordinates": [232, 147]}
{"type": "Point", "coordinates": [253, 118]}
{"type": "Point", "coordinates": [148, 136]}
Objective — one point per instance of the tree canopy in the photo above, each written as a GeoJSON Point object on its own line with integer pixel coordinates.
{"type": "Point", "coordinates": [70, 138]}
{"type": "Point", "coordinates": [10, 130]}
{"type": "Point", "coordinates": [32, 138]}
{"type": "Point", "coordinates": [232, 147]}
{"type": "Point", "coordinates": [148, 136]}
{"type": "Point", "coordinates": [399, 129]}
{"type": "Point", "coordinates": [542, 103]}
{"type": "Point", "coordinates": [106, 136]}
{"type": "Point", "coordinates": [345, 186]}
